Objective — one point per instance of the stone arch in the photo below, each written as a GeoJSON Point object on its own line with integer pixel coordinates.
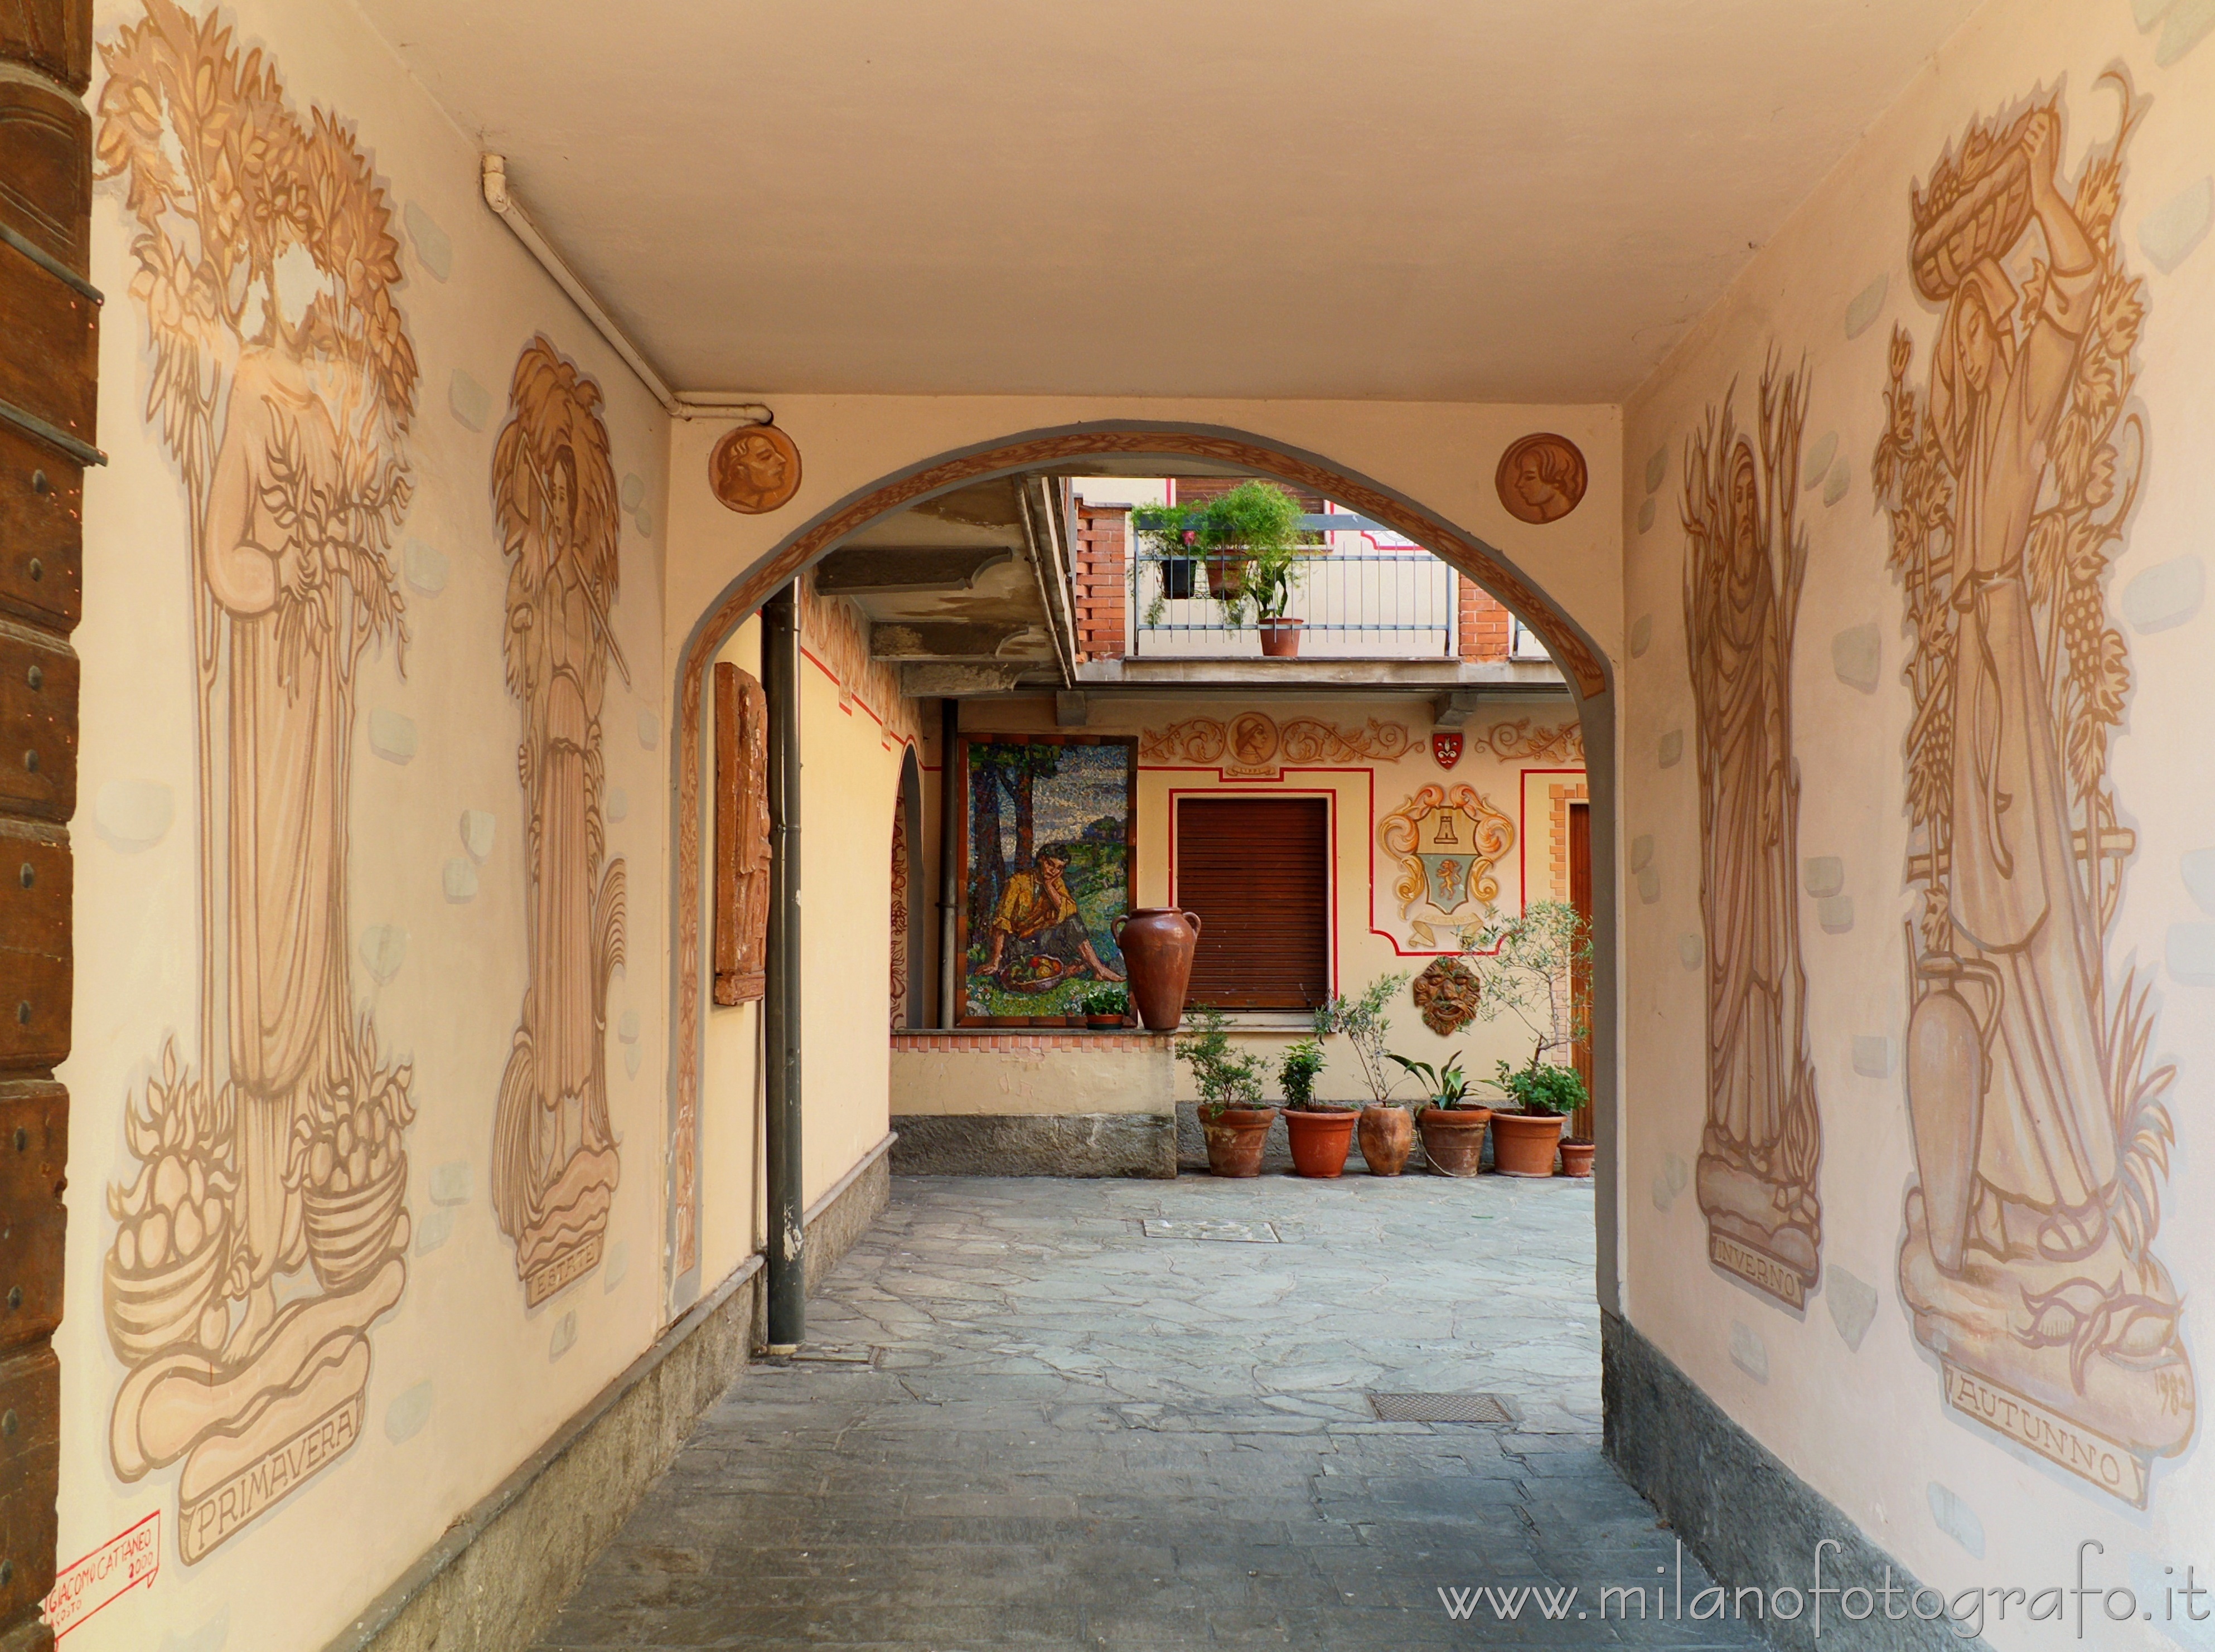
{"type": "Point", "coordinates": [1591, 679]}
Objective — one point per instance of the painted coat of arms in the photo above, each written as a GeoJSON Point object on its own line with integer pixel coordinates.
{"type": "Point", "coordinates": [1448, 842]}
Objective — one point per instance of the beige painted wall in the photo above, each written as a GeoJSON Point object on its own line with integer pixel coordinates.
{"type": "Point", "coordinates": [1439, 455]}
{"type": "Point", "coordinates": [1867, 1424]}
{"type": "Point", "coordinates": [1369, 938]}
{"type": "Point", "coordinates": [981, 1082]}
{"type": "Point", "coordinates": [464, 1382]}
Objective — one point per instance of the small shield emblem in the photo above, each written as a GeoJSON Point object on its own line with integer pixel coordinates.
{"type": "Point", "coordinates": [1445, 746]}
{"type": "Point", "coordinates": [1445, 857]}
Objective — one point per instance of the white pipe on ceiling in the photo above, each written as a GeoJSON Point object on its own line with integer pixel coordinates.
{"type": "Point", "coordinates": [679, 404]}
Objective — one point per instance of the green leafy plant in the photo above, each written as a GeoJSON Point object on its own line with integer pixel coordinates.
{"type": "Point", "coordinates": [1252, 534]}
{"type": "Point", "coordinates": [1526, 965]}
{"type": "Point", "coordinates": [1106, 1000]}
{"type": "Point", "coordinates": [1296, 1072]}
{"type": "Point", "coordinates": [1364, 1025]}
{"type": "Point", "coordinates": [1223, 1080]}
{"type": "Point", "coordinates": [1545, 1088]}
{"type": "Point", "coordinates": [1445, 1085]}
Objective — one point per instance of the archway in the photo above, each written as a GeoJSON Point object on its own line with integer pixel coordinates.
{"type": "Point", "coordinates": [1589, 676]}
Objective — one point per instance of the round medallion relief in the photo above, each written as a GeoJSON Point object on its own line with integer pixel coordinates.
{"type": "Point", "coordinates": [1541, 477]}
{"type": "Point", "coordinates": [754, 469]}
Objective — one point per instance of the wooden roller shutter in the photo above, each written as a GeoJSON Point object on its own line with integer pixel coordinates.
{"type": "Point", "coordinates": [1257, 870]}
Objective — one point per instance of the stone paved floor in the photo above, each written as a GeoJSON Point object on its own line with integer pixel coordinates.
{"type": "Point", "coordinates": [1051, 1431]}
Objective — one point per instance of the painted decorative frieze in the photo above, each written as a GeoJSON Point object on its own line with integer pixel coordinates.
{"type": "Point", "coordinates": [1522, 741]}
{"type": "Point", "coordinates": [1744, 561]}
{"type": "Point", "coordinates": [263, 1229]}
{"type": "Point", "coordinates": [2042, 1135]}
{"type": "Point", "coordinates": [555, 1165]}
{"type": "Point", "coordinates": [1253, 745]}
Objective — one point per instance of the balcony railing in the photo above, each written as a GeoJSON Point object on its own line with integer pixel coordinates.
{"type": "Point", "coordinates": [1379, 602]}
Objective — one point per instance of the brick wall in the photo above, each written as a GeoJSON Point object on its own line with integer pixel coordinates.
{"type": "Point", "coordinates": [1103, 581]}
{"type": "Point", "coordinates": [1484, 629]}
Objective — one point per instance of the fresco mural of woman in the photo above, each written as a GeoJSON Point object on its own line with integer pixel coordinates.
{"type": "Point", "coordinates": [554, 1161]}
{"type": "Point", "coordinates": [286, 412]}
{"type": "Point", "coordinates": [2040, 1140]}
{"type": "Point", "coordinates": [1762, 1140]}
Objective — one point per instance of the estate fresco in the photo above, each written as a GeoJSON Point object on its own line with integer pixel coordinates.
{"type": "Point", "coordinates": [555, 1164]}
{"type": "Point", "coordinates": [1046, 870]}
{"type": "Point", "coordinates": [2041, 1137]}
{"type": "Point", "coordinates": [264, 1229]}
{"type": "Point", "coordinates": [1745, 560]}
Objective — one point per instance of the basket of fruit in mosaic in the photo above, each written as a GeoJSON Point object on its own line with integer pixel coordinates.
{"type": "Point", "coordinates": [164, 1277]}
{"type": "Point", "coordinates": [1033, 975]}
{"type": "Point", "coordinates": [357, 1178]}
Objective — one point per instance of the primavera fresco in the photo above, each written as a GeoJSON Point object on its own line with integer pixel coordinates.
{"type": "Point", "coordinates": [1045, 871]}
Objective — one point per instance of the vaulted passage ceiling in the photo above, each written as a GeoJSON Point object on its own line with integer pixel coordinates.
{"type": "Point", "coordinates": [1461, 200]}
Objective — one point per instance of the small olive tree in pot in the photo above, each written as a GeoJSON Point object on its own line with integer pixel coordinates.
{"type": "Point", "coordinates": [1525, 966]}
{"type": "Point", "coordinates": [1387, 1134]}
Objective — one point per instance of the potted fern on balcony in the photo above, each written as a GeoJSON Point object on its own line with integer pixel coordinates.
{"type": "Point", "coordinates": [1250, 540]}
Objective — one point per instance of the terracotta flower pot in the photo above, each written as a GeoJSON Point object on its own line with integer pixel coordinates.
{"type": "Point", "coordinates": [1453, 1138]}
{"type": "Point", "coordinates": [1281, 638]}
{"type": "Point", "coordinates": [1388, 1136]}
{"type": "Point", "coordinates": [1523, 1144]}
{"type": "Point", "coordinates": [1157, 945]}
{"type": "Point", "coordinates": [1320, 1139]}
{"type": "Point", "coordinates": [1236, 1137]}
{"type": "Point", "coordinates": [1576, 1157]}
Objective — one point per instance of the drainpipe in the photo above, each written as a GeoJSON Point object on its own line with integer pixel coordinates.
{"type": "Point", "coordinates": [949, 831]}
{"type": "Point", "coordinates": [787, 1273]}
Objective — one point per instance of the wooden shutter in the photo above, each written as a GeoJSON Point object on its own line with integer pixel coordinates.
{"type": "Point", "coordinates": [1257, 870]}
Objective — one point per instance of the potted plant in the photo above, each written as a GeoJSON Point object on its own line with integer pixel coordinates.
{"type": "Point", "coordinates": [1525, 965]}
{"type": "Point", "coordinates": [1452, 1121]}
{"type": "Point", "coordinates": [1544, 1096]}
{"type": "Point", "coordinates": [1387, 1133]}
{"type": "Point", "coordinates": [1270, 578]}
{"type": "Point", "coordinates": [1107, 1007]}
{"type": "Point", "coordinates": [1235, 532]}
{"type": "Point", "coordinates": [1165, 533]}
{"type": "Point", "coordinates": [1320, 1132]}
{"type": "Point", "coordinates": [1232, 1115]}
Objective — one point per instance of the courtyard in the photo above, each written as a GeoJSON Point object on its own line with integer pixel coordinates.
{"type": "Point", "coordinates": [1022, 1418]}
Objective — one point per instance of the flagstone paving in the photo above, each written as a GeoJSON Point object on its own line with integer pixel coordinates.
{"type": "Point", "coordinates": [1029, 1423]}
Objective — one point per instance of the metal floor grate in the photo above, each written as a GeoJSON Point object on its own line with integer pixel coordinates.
{"type": "Point", "coordinates": [1212, 1227]}
{"type": "Point", "coordinates": [1441, 1408]}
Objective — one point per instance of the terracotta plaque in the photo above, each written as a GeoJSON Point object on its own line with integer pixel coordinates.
{"type": "Point", "coordinates": [1541, 477]}
{"type": "Point", "coordinates": [756, 469]}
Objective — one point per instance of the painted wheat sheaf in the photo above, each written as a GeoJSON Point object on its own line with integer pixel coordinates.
{"type": "Point", "coordinates": [2041, 1139]}
{"type": "Point", "coordinates": [264, 1229]}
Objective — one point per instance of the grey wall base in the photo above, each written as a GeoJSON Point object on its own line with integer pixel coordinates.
{"type": "Point", "coordinates": [1751, 1521]}
{"type": "Point", "coordinates": [492, 1580]}
{"type": "Point", "coordinates": [1017, 1144]}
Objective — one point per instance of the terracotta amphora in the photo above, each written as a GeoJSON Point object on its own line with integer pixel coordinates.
{"type": "Point", "coordinates": [1388, 1136]}
{"type": "Point", "coordinates": [1157, 945]}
